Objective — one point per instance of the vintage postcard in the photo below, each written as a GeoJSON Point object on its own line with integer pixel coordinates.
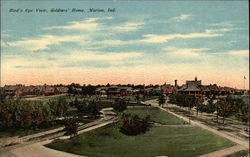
{"type": "Point", "coordinates": [120, 78]}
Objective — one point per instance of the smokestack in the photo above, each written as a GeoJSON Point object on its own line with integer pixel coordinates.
{"type": "Point", "coordinates": [175, 83]}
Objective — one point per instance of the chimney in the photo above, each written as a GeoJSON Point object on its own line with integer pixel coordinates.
{"type": "Point", "coordinates": [175, 83]}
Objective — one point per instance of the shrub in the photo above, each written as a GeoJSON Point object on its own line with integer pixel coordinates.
{"type": "Point", "coordinates": [133, 125]}
{"type": "Point", "coordinates": [120, 105]}
{"type": "Point", "coordinates": [71, 125]}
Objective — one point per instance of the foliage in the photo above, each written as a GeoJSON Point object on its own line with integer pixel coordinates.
{"type": "Point", "coordinates": [239, 108]}
{"type": "Point", "coordinates": [137, 98]}
{"type": "Point", "coordinates": [210, 107]}
{"type": "Point", "coordinates": [88, 90]}
{"type": "Point", "coordinates": [224, 107]}
{"type": "Point", "coordinates": [58, 107]}
{"type": "Point", "coordinates": [161, 100]}
{"type": "Point", "coordinates": [120, 105]}
{"type": "Point", "coordinates": [23, 114]}
{"type": "Point", "coordinates": [90, 108]}
{"type": "Point", "coordinates": [178, 99]}
{"type": "Point", "coordinates": [71, 126]}
{"type": "Point", "coordinates": [133, 125]}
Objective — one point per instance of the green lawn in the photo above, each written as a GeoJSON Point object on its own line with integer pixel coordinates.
{"type": "Point", "coordinates": [177, 141]}
{"type": "Point", "coordinates": [156, 115]}
{"type": "Point", "coordinates": [158, 141]}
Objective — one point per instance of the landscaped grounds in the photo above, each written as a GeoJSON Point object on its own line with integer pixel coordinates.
{"type": "Point", "coordinates": [168, 140]}
{"type": "Point", "coordinates": [156, 115]}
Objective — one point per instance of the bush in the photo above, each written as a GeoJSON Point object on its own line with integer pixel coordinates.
{"type": "Point", "coordinates": [90, 108]}
{"type": "Point", "coordinates": [71, 126]}
{"type": "Point", "coordinates": [120, 105]}
{"type": "Point", "coordinates": [133, 125]}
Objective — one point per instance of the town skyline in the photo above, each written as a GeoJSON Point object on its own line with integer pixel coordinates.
{"type": "Point", "coordinates": [131, 84]}
{"type": "Point", "coordinates": [164, 42]}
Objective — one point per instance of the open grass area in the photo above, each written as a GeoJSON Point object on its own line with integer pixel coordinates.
{"type": "Point", "coordinates": [158, 141]}
{"type": "Point", "coordinates": [177, 141]}
{"type": "Point", "coordinates": [47, 98]}
{"type": "Point", "coordinates": [156, 115]}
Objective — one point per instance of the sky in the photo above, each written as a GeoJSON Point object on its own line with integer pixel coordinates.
{"type": "Point", "coordinates": [141, 42]}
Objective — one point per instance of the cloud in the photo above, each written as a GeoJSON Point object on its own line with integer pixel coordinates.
{"type": "Point", "coordinates": [185, 52]}
{"type": "Point", "coordinates": [221, 24]}
{"type": "Point", "coordinates": [238, 53]}
{"type": "Point", "coordinates": [153, 38]}
{"type": "Point", "coordinates": [97, 56]}
{"type": "Point", "coordinates": [89, 24]}
{"type": "Point", "coordinates": [35, 67]}
{"type": "Point", "coordinates": [221, 30]}
{"type": "Point", "coordinates": [44, 42]}
{"type": "Point", "coordinates": [182, 17]}
{"type": "Point", "coordinates": [113, 42]}
{"type": "Point", "coordinates": [129, 26]}
{"type": "Point", "coordinates": [74, 59]}
{"type": "Point", "coordinates": [94, 24]}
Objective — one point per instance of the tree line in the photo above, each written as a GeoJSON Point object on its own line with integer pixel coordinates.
{"type": "Point", "coordinates": [23, 114]}
{"type": "Point", "coordinates": [223, 106]}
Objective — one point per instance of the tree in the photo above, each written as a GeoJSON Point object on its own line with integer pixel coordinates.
{"type": "Point", "coordinates": [71, 126]}
{"type": "Point", "coordinates": [243, 111]}
{"type": "Point", "coordinates": [41, 113]}
{"type": "Point", "coordinates": [189, 102]}
{"type": "Point", "coordinates": [26, 115]}
{"type": "Point", "coordinates": [93, 108]}
{"type": "Point", "coordinates": [6, 112]}
{"type": "Point", "coordinates": [120, 105]}
{"type": "Point", "coordinates": [88, 90]}
{"type": "Point", "coordinates": [198, 102]}
{"type": "Point", "coordinates": [137, 98]}
{"type": "Point", "coordinates": [224, 108]}
{"type": "Point", "coordinates": [133, 125]}
{"type": "Point", "coordinates": [161, 100]}
{"type": "Point", "coordinates": [89, 108]}
{"type": "Point", "coordinates": [211, 105]}
{"type": "Point", "coordinates": [58, 107]}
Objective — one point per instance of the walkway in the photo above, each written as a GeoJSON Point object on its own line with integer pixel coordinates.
{"type": "Point", "coordinates": [34, 148]}
{"type": "Point", "coordinates": [224, 152]}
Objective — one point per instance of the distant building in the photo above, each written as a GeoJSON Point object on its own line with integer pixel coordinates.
{"type": "Point", "coordinates": [192, 88]}
{"type": "Point", "coordinates": [227, 90]}
{"type": "Point", "coordinates": [113, 91]}
{"type": "Point", "coordinates": [168, 89]}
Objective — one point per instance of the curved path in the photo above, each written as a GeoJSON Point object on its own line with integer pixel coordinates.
{"type": "Point", "coordinates": [37, 149]}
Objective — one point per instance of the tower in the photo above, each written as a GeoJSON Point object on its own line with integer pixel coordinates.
{"type": "Point", "coordinates": [175, 83]}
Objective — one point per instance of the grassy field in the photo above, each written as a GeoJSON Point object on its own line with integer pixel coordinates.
{"type": "Point", "coordinates": [156, 115]}
{"type": "Point", "coordinates": [159, 141]}
{"type": "Point", "coordinates": [178, 141]}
